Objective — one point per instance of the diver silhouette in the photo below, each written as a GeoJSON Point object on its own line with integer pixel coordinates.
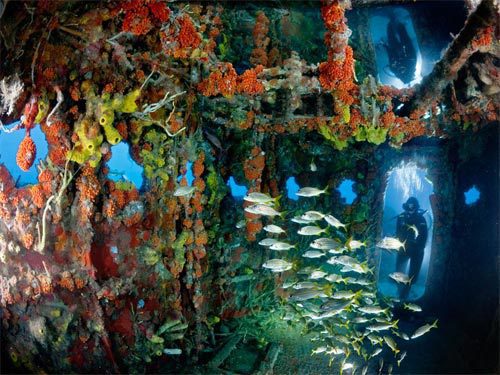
{"type": "Point", "coordinates": [400, 50]}
{"type": "Point", "coordinates": [411, 228]}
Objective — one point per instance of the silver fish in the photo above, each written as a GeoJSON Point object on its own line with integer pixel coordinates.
{"type": "Point", "coordinates": [240, 224]}
{"type": "Point", "coordinates": [319, 350]}
{"type": "Point", "coordinates": [304, 285]}
{"type": "Point", "coordinates": [277, 265]}
{"type": "Point", "coordinates": [268, 242]}
{"type": "Point", "coordinates": [414, 229]}
{"type": "Point", "coordinates": [401, 277]}
{"type": "Point", "coordinates": [311, 192]}
{"type": "Point", "coordinates": [376, 352]}
{"type": "Point", "coordinates": [312, 166]}
{"type": "Point", "coordinates": [325, 243]}
{"type": "Point", "coordinates": [271, 228]}
{"type": "Point", "coordinates": [333, 221]}
{"type": "Point", "coordinates": [172, 351]}
{"type": "Point", "coordinates": [262, 209]}
{"type": "Point", "coordinates": [183, 191]}
{"type": "Point", "coordinates": [281, 246]}
{"type": "Point", "coordinates": [355, 244]}
{"type": "Point", "coordinates": [382, 326]}
{"type": "Point", "coordinates": [306, 294]}
{"type": "Point", "coordinates": [401, 357]}
{"type": "Point", "coordinates": [412, 307]}
{"type": "Point", "coordinates": [299, 220]}
{"type": "Point", "coordinates": [391, 344]}
{"type": "Point", "coordinates": [257, 197]}
{"type": "Point", "coordinates": [424, 329]}
{"type": "Point", "coordinates": [317, 275]}
{"type": "Point", "coordinates": [345, 294]}
{"type": "Point", "coordinates": [391, 243]}
{"type": "Point", "coordinates": [372, 310]}
{"type": "Point", "coordinates": [311, 230]}
{"type": "Point", "coordinates": [312, 216]}
{"type": "Point", "coordinates": [313, 254]}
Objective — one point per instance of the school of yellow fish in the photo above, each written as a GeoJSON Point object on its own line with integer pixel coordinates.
{"type": "Point", "coordinates": [331, 287]}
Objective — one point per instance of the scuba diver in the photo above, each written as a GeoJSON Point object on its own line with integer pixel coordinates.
{"type": "Point", "coordinates": [400, 51]}
{"type": "Point", "coordinates": [411, 228]}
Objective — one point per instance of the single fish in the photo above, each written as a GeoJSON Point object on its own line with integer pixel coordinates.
{"type": "Point", "coordinates": [391, 243]}
{"type": "Point", "coordinates": [355, 244]}
{"type": "Point", "coordinates": [271, 228]}
{"type": "Point", "coordinates": [334, 278]}
{"type": "Point", "coordinates": [311, 230]}
{"type": "Point", "coordinates": [345, 294]}
{"type": "Point", "coordinates": [281, 246]}
{"type": "Point", "coordinates": [313, 166]}
{"type": "Point", "coordinates": [277, 265]}
{"type": "Point", "coordinates": [364, 371]}
{"type": "Point", "coordinates": [361, 320]}
{"type": "Point", "coordinates": [317, 275]}
{"type": "Point", "coordinates": [319, 350]}
{"type": "Point", "coordinates": [362, 282]}
{"type": "Point", "coordinates": [336, 351]}
{"type": "Point", "coordinates": [311, 192]}
{"type": "Point", "coordinates": [172, 351]}
{"type": "Point", "coordinates": [262, 209]}
{"type": "Point", "coordinates": [333, 221]}
{"type": "Point", "coordinates": [380, 365]}
{"type": "Point", "coordinates": [372, 310]}
{"type": "Point", "coordinates": [401, 277]}
{"type": "Point", "coordinates": [240, 224]}
{"type": "Point", "coordinates": [347, 366]}
{"type": "Point", "coordinates": [389, 369]}
{"type": "Point", "coordinates": [325, 244]}
{"type": "Point", "coordinates": [401, 357]}
{"type": "Point", "coordinates": [299, 220]}
{"type": "Point", "coordinates": [424, 329]}
{"type": "Point", "coordinates": [312, 216]}
{"type": "Point", "coordinates": [412, 307]}
{"type": "Point", "coordinates": [183, 191]}
{"type": "Point", "coordinates": [257, 197]}
{"type": "Point", "coordinates": [335, 305]}
{"type": "Point", "coordinates": [391, 344]}
{"type": "Point", "coordinates": [268, 242]}
{"type": "Point", "coordinates": [376, 352]}
{"type": "Point", "coordinates": [382, 326]}
{"type": "Point", "coordinates": [306, 294]}
{"type": "Point", "coordinates": [414, 229]}
{"type": "Point", "coordinates": [374, 339]}
{"type": "Point", "coordinates": [313, 254]}
{"type": "Point", "coordinates": [304, 285]}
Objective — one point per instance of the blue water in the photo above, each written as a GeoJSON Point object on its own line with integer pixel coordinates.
{"type": "Point", "coordinates": [292, 188]}
{"type": "Point", "coordinates": [472, 195]}
{"type": "Point", "coordinates": [237, 191]}
{"type": "Point", "coordinates": [9, 143]}
{"type": "Point", "coordinates": [123, 167]}
{"type": "Point", "coordinates": [346, 191]}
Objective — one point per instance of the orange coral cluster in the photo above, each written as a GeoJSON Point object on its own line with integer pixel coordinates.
{"type": "Point", "coordinates": [181, 38]}
{"type": "Point", "coordinates": [89, 188]}
{"type": "Point", "coordinates": [225, 81]}
{"type": "Point", "coordinates": [26, 153]}
{"type": "Point", "coordinates": [336, 74]}
{"type": "Point", "coordinates": [141, 15]}
{"type": "Point", "coordinates": [260, 40]}
{"type": "Point", "coordinates": [56, 135]}
{"type": "Point", "coordinates": [253, 168]}
{"type": "Point", "coordinates": [484, 38]}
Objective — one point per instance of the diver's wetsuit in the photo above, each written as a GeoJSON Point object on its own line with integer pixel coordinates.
{"type": "Point", "coordinates": [414, 245]}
